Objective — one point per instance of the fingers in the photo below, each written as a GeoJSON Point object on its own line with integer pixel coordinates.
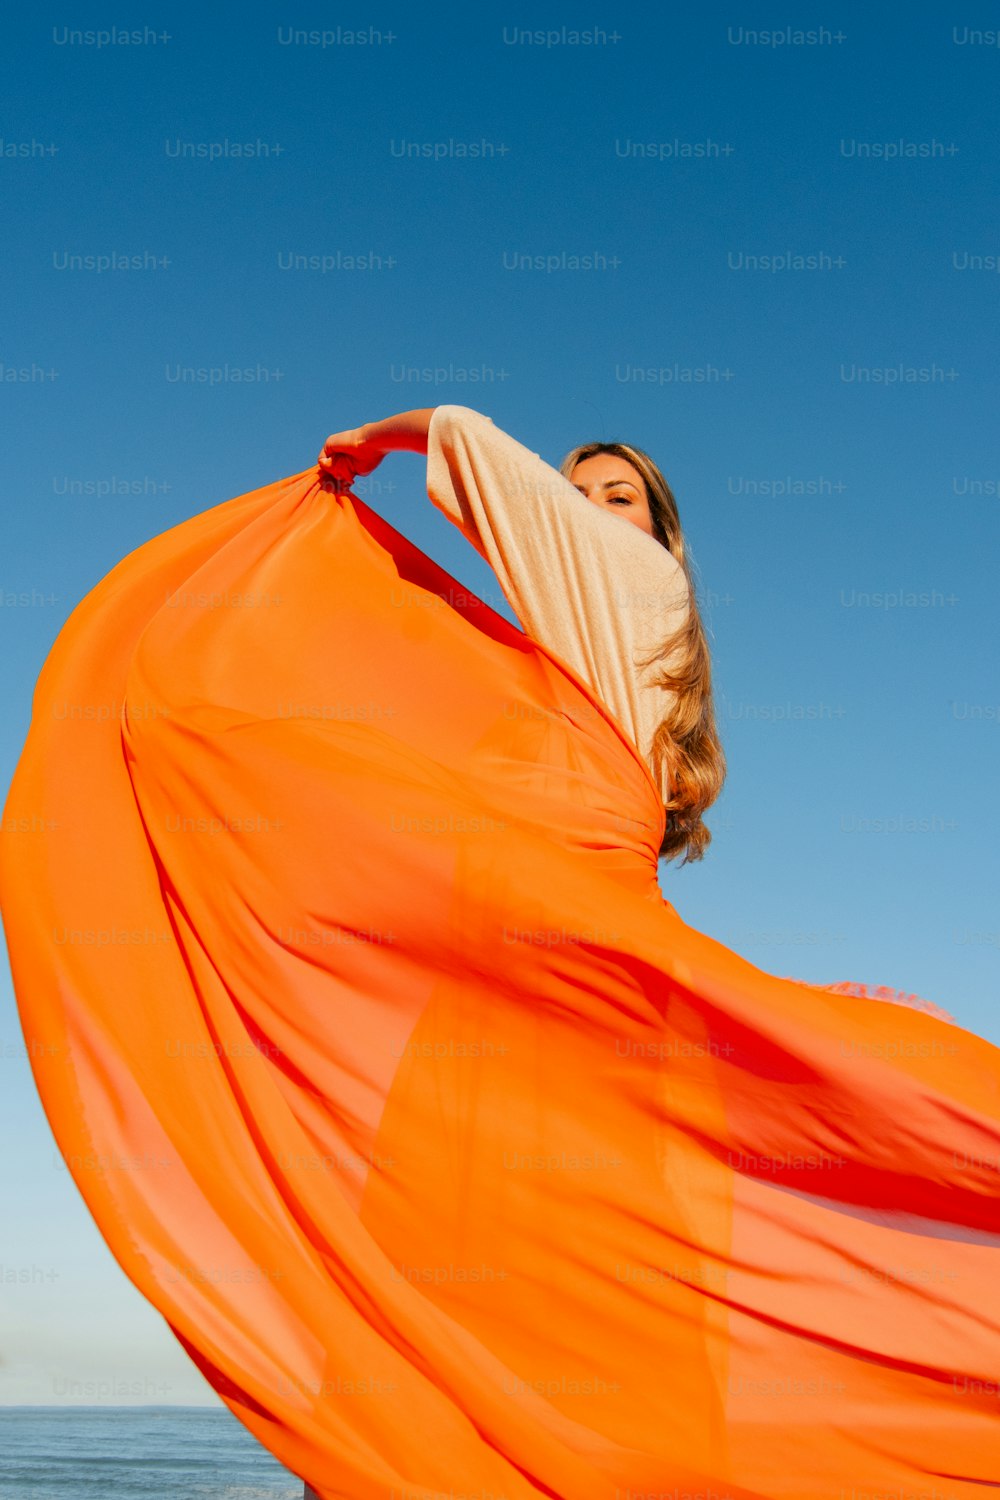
{"type": "Point", "coordinates": [338, 471]}
{"type": "Point", "coordinates": [339, 464]}
{"type": "Point", "coordinates": [343, 457]}
{"type": "Point", "coordinates": [337, 442]}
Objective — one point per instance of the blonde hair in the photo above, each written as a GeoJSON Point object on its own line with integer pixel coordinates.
{"type": "Point", "coordinates": [686, 752]}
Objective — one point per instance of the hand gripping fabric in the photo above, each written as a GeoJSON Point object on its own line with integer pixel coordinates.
{"type": "Point", "coordinates": [458, 1163]}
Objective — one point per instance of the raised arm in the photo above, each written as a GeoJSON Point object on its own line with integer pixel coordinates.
{"type": "Point", "coordinates": [408, 430]}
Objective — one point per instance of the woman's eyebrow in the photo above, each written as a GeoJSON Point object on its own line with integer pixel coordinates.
{"type": "Point", "coordinates": [612, 484]}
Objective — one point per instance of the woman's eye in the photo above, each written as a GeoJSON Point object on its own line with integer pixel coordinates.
{"type": "Point", "coordinates": [620, 500]}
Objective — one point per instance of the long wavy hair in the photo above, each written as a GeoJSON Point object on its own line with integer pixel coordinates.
{"type": "Point", "coordinates": [686, 752]}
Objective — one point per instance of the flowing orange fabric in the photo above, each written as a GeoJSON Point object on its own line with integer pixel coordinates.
{"type": "Point", "coordinates": [456, 1160]}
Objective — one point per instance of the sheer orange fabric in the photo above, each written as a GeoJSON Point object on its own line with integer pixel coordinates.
{"type": "Point", "coordinates": [456, 1160]}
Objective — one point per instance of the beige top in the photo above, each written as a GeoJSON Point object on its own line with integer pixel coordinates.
{"type": "Point", "coordinates": [583, 582]}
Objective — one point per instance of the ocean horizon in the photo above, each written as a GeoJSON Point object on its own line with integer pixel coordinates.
{"type": "Point", "coordinates": [135, 1453]}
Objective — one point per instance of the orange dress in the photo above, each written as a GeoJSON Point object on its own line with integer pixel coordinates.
{"type": "Point", "coordinates": [458, 1163]}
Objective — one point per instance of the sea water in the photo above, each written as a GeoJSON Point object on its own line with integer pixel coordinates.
{"type": "Point", "coordinates": [135, 1453]}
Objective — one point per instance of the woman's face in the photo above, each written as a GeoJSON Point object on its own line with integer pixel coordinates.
{"type": "Point", "coordinates": [615, 485]}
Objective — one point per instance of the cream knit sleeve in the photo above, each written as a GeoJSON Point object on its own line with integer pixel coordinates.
{"type": "Point", "coordinates": [586, 584]}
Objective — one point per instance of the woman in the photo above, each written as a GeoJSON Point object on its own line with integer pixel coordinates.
{"type": "Point", "coordinates": [589, 595]}
{"type": "Point", "coordinates": [457, 1162]}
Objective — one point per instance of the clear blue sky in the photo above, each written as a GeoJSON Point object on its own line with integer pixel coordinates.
{"type": "Point", "coordinates": [834, 450]}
